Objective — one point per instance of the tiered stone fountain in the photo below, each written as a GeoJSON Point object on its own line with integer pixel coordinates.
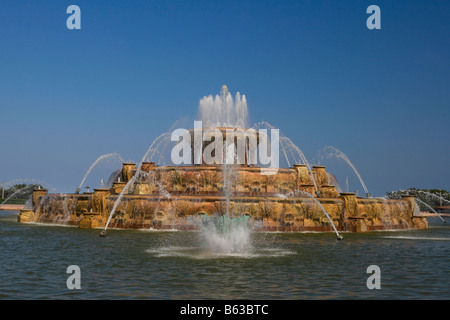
{"type": "Point", "coordinates": [177, 197]}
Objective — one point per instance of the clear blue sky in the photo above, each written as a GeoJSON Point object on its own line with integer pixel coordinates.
{"type": "Point", "coordinates": [310, 68]}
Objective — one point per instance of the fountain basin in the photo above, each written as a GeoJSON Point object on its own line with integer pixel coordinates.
{"type": "Point", "coordinates": [175, 197]}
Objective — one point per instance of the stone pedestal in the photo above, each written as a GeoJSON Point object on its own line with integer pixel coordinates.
{"type": "Point", "coordinates": [90, 220]}
{"type": "Point", "coordinates": [303, 176]}
{"type": "Point", "coordinates": [117, 187]}
{"type": "Point", "coordinates": [98, 200]}
{"type": "Point", "coordinates": [350, 204]}
{"type": "Point", "coordinates": [412, 204]}
{"type": "Point", "coordinates": [310, 188]}
{"type": "Point", "coordinates": [37, 194]}
{"type": "Point", "coordinates": [352, 218]}
{"type": "Point", "coordinates": [328, 191]}
{"type": "Point", "coordinates": [147, 166]}
{"type": "Point", "coordinates": [142, 188]}
{"type": "Point", "coordinates": [25, 215]}
{"type": "Point", "coordinates": [359, 224]}
{"type": "Point", "coordinates": [320, 175]}
{"type": "Point", "coordinates": [128, 170]}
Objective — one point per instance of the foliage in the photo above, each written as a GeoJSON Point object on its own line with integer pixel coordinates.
{"type": "Point", "coordinates": [432, 197]}
{"type": "Point", "coordinates": [20, 191]}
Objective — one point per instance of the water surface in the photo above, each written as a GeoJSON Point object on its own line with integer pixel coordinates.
{"type": "Point", "coordinates": [137, 264]}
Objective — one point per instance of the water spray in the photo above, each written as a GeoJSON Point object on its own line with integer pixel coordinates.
{"type": "Point", "coordinates": [132, 180]}
{"type": "Point", "coordinates": [95, 163]}
{"type": "Point", "coordinates": [339, 237]}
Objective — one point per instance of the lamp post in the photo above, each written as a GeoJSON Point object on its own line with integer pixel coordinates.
{"type": "Point", "coordinates": [3, 190]}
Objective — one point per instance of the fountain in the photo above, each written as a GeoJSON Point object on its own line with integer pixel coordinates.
{"type": "Point", "coordinates": [339, 237]}
{"type": "Point", "coordinates": [439, 198]}
{"type": "Point", "coordinates": [96, 162]}
{"type": "Point", "coordinates": [429, 207]}
{"type": "Point", "coordinates": [224, 200]}
{"type": "Point", "coordinates": [418, 193]}
{"type": "Point", "coordinates": [18, 190]}
{"type": "Point", "coordinates": [339, 154]}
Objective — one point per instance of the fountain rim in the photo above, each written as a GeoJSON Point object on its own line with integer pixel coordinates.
{"type": "Point", "coordinates": [102, 189]}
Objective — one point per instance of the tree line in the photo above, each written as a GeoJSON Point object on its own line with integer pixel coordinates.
{"type": "Point", "coordinates": [18, 192]}
{"type": "Point", "coordinates": [432, 197]}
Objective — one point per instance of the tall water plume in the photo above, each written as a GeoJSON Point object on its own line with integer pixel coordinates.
{"type": "Point", "coordinates": [224, 111]}
{"type": "Point", "coordinates": [225, 233]}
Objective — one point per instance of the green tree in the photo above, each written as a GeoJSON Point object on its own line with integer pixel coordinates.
{"type": "Point", "coordinates": [432, 197]}
{"type": "Point", "coordinates": [20, 191]}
